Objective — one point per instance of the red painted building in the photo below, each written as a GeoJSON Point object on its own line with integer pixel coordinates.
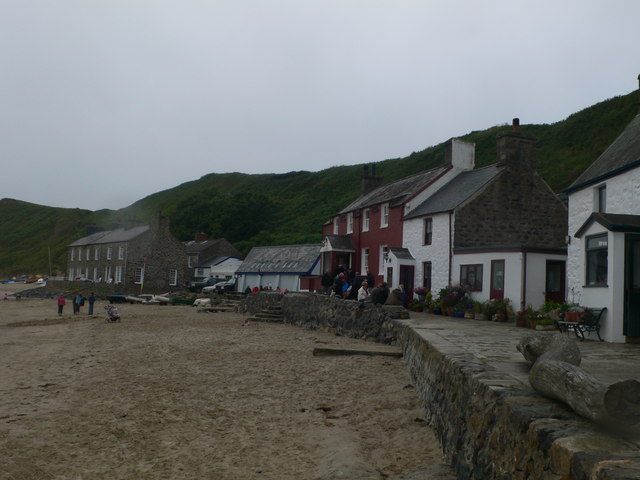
{"type": "Point", "coordinates": [360, 235]}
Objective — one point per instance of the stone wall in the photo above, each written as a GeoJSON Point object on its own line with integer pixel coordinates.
{"type": "Point", "coordinates": [488, 425]}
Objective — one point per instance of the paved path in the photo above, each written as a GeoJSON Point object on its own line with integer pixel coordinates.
{"type": "Point", "coordinates": [495, 343]}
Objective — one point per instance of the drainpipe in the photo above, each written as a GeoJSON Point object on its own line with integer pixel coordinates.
{"type": "Point", "coordinates": [450, 245]}
{"type": "Point", "coordinates": [523, 293]}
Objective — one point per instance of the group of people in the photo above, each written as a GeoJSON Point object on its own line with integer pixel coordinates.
{"type": "Point", "coordinates": [78, 301]}
{"type": "Point", "coordinates": [345, 283]}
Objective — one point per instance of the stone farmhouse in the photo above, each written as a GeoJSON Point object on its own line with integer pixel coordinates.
{"type": "Point", "coordinates": [139, 256]}
{"type": "Point", "coordinates": [499, 230]}
{"type": "Point", "coordinates": [604, 237]}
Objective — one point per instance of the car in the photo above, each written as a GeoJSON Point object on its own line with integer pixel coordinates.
{"type": "Point", "coordinates": [212, 288]}
{"type": "Point", "coordinates": [198, 285]}
{"type": "Point", "coordinates": [227, 286]}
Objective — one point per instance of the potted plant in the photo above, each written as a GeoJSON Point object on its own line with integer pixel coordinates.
{"type": "Point", "coordinates": [544, 323]}
{"type": "Point", "coordinates": [421, 292]}
{"type": "Point", "coordinates": [521, 320]}
{"type": "Point", "coordinates": [479, 311]}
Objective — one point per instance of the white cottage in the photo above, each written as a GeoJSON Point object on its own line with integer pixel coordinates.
{"type": "Point", "coordinates": [603, 267]}
{"type": "Point", "coordinates": [500, 230]}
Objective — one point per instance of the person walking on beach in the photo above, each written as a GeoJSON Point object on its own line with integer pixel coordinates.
{"type": "Point", "coordinates": [92, 300]}
{"type": "Point", "coordinates": [61, 303]}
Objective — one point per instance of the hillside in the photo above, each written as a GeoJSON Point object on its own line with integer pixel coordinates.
{"type": "Point", "coordinates": [290, 208]}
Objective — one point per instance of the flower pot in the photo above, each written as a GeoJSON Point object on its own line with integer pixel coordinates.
{"type": "Point", "coordinates": [458, 313]}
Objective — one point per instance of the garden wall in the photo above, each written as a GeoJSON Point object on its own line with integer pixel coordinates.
{"type": "Point", "coordinates": [488, 425]}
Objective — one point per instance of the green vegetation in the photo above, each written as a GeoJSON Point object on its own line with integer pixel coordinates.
{"type": "Point", "coordinates": [290, 208]}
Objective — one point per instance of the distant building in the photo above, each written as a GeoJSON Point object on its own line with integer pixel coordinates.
{"type": "Point", "coordinates": [138, 256]}
{"type": "Point", "coordinates": [203, 254]}
{"type": "Point", "coordinates": [291, 267]}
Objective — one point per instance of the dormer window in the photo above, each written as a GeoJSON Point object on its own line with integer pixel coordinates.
{"type": "Point", "coordinates": [384, 215]}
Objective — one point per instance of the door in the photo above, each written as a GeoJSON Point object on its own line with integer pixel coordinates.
{"type": "Point", "coordinates": [631, 322]}
{"type": "Point", "coordinates": [406, 277]}
{"type": "Point", "coordinates": [497, 280]}
{"type": "Point", "coordinates": [555, 279]}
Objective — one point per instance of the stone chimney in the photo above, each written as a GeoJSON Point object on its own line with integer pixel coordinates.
{"type": "Point", "coordinates": [201, 237]}
{"type": "Point", "coordinates": [515, 149]}
{"type": "Point", "coordinates": [369, 181]}
{"type": "Point", "coordinates": [459, 154]}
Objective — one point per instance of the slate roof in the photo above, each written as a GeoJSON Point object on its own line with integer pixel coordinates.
{"type": "Point", "coordinates": [295, 259]}
{"type": "Point", "coordinates": [457, 191]}
{"type": "Point", "coordinates": [614, 222]}
{"type": "Point", "coordinates": [337, 243]}
{"type": "Point", "coordinates": [221, 246]}
{"type": "Point", "coordinates": [402, 253]}
{"type": "Point", "coordinates": [395, 192]}
{"type": "Point", "coordinates": [623, 154]}
{"type": "Point", "coordinates": [110, 236]}
{"type": "Point", "coordinates": [212, 262]}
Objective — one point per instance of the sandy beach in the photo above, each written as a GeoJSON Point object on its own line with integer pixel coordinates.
{"type": "Point", "coordinates": [175, 394]}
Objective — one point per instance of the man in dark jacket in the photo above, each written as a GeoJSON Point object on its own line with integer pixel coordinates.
{"type": "Point", "coordinates": [380, 294]}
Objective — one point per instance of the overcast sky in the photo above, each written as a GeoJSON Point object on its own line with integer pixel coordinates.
{"type": "Point", "coordinates": [103, 102]}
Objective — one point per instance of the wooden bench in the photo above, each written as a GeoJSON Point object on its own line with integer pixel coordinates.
{"type": "Point", "coordinates": [589, 322]}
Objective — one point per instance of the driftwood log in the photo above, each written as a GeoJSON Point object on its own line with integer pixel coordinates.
{"type": "Point", "coordinates": [556, 373]}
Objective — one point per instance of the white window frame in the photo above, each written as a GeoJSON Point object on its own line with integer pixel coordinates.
{"type": "Point", "coordinates": [365, 260]}
{"type": "Point", "coordinates": [366, 219]}
{"type": "Point", "coordinates": [96, 253]}
{"type": "Point", "coordinates": [199, 272]}
{"type": "Point", "coordinates": [95, 274]}
{"type": "Point", "coordinates": [336, 225]}
{"type": "Point", "coordinates": [118, 275]}
{"type": "Point", "coordinates": [350, 222]}
{"type": "Point", "coordinates": [79, 253]}
{"type": "Point", "coordinates": [137, 276]}
{"type": "Point", "coordinates": [173, 277]}
{"type": "Point", "coordinates": [120, 253]}
{"type": "Point", "coordinates": [87, 254]}
{"type": "Point", "coordinates": [384, 215]}
{"type": "Point", "coordinates": [107, 274]}
{"type": "Point", "coordinates": [109, 253]}
{"type": "Point", "coordinates": [73, 254]}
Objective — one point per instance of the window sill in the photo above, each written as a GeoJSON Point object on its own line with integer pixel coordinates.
{"type": "Point", "coordinates": [595, 286]}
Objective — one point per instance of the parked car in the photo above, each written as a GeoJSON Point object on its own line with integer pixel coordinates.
{"type": "Point", "coordinates": [227, 286]}
{"type": "Point", "coordinates": [198, 285]}
{"type": "Point", "coordinates": [212, 288]}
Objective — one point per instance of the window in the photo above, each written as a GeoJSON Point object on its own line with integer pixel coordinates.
{"type": "Point", "coordinates": [138, 277]}
{"type": "Point", "coordinates": [426, 275]}
{"type": "Point", "coordinates": [350, 222]}
{"type": "Point", "coordinates": [601, 199]}
{"type": "Point", "coordinates": [384, 215]}
{"type": "Point", "coordinates": [365, 219]}
{"type": "Point", "coordinates": [107, 274]}
{"type": "Point", "coordinates": [192, 261]}
{"type": "Point", "coordinates": [199, 272]}
{"type": "Point", "coordinates": [173, 277]}
{"type": "Point", "coordinates": [88, 254]}
{"type": "Point", "coordinates": [336, 225]}
{"type": "Point", "coordinates": [109, 253]}
{"type": "Point", "coordinates": [120, 253]}
{"type": "Point", "coordinates": [118, 278]}
{"type": "Point", "coordinates": [471, 276]}
{"type": "Point", "coordinates": [428, 231]}
{"type": "Point", "coordinates": [597, 260]}
{"type": "Point", "coordinates": [96, 253]}
{"type": "Point", "coordinates": [73, 254]}
{"type": "Point", "coordinates": [95, 274]}
{"type": "Point", "coordinates": [384, 255]}
{"type": "Point", "coordinates": [365, 259]}
{"type": "Point", "coordinates": [79, 253]}
{"type": "Point", "coordinates": [70, 272]}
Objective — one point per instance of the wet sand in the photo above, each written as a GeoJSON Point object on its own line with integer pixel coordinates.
{"type": "Point", "coordinates": [172, 393]}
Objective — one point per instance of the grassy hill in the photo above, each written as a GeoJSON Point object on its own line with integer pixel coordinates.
{"type": "Point", "coordinates": [290, 208]}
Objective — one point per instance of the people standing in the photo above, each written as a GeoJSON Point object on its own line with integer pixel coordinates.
{"type": "Point", "coordinates": [77, 301]}
{"type": "Point", "coordinates": [92, 300]}
{"type": "Point", "coordinates": [363, 292]}
{"type": "Point", "coordinates": [61, 303]}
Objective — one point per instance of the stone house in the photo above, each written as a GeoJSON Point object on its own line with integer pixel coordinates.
{"type": "Point", "coordinates": [499, 230]}
{"type": "Point", "coordinates": [291, 267]}
{"type": "Point", "coordinates": [364, 234]}
{"type": "Point", "coordinates": [604, 237]}
{"type": "Point", "coordinates": [203, 254]}
{"type": "Point", "coordinates": [139, 256]}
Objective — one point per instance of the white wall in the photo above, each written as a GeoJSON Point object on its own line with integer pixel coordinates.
{"type": "Point", "coordinates": [623, 193]}
{"type": "Point", "coordinates": [437, 253]}
{"type": "Point", "coordinates": [275, 280]}
{"type": "Point", "coordinates": [537, 276]}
